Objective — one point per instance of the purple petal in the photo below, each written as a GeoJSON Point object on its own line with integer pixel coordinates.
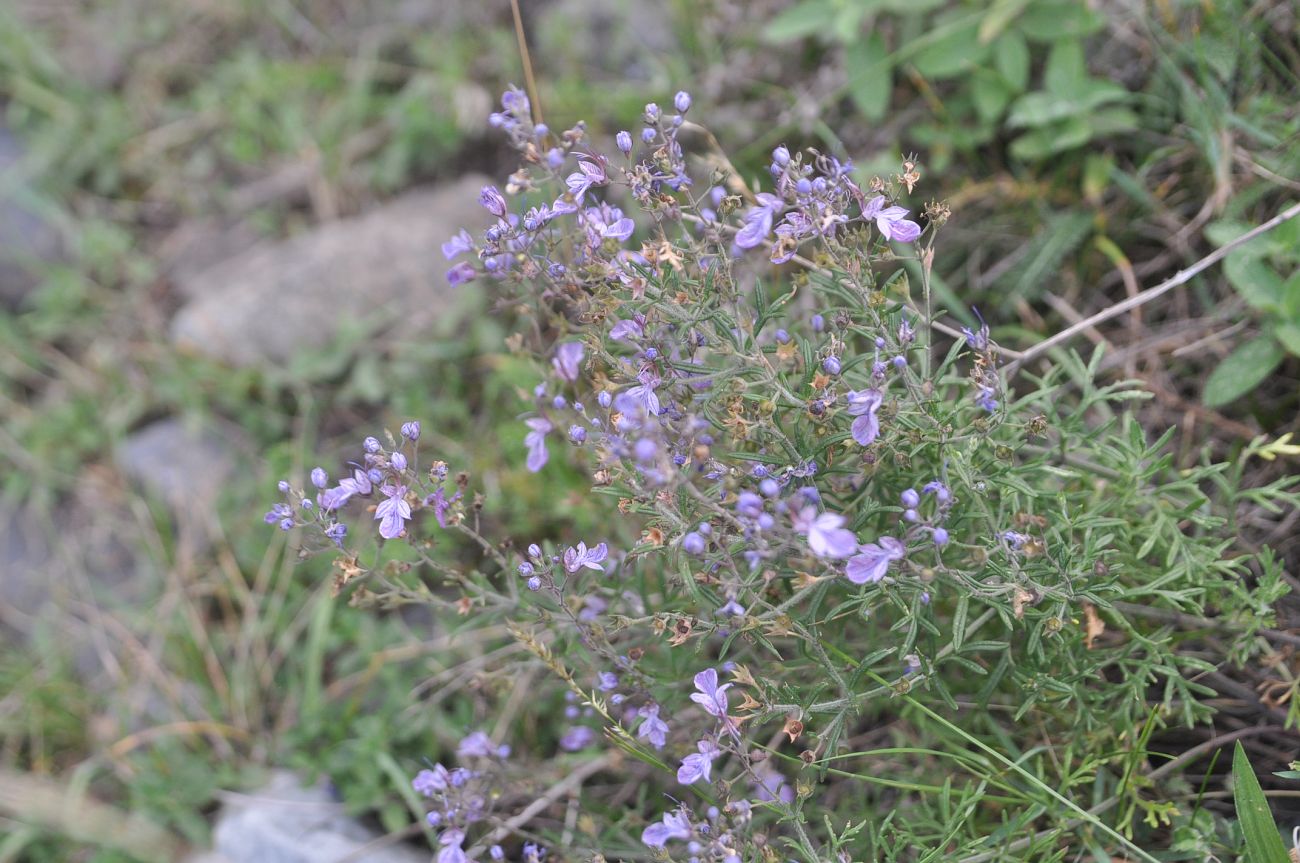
{"type": "Point", "coordinates": [870, 566]}
{"type": "Point", "coordinates": [906, 231]}
{"type": "Point", "coordinates": [865, 429]}
{"type": "Point", "coordinates": [537, 456]}
{"type": "Point", "coordinates": [835, 543]}
{"type": "Point", "coordinates": [758, 224]}
{"type": "Point", "coordinates": [620, 230]}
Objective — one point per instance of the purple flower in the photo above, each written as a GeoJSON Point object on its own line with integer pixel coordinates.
{"type": "Point", "coordinates": [938, 489]}
{"type": "Point", "coordinates": [461, 273]}
{"type": "Point", "coordinates": [628, 329]}
{"type": "Point", "coordinates": [620, 229]}
{"type": "Point", "coordinates": [623, 141]}
{"type": "Point", "coordinates": [567, 359]}
{"type": "Point", "coordinates": [411, 430]}
{"type": "Point", "coordinates": [319, 477]}
{"type": "Point", "coordinates": [863, 404]}
{"type": "Point", "coordinates": [645, 450]}
{"type": "Point", "coordinates": [940, 536]}
{"type": "Point", "coordinates": [577, 434]}
{"type": "Point", "coordinates": [492, 201]}
{"type": "Point", "coordinates": [393, 512]}
{"type": "Point", "coordinates": [697, 765]}
{"type": "Point", "coordinates": [693, 543]}
{"type": "Point", "coordinates": [515, 101]}
{"type": "Point", "coordinates": [713, 698]}
{"type": "Point", "coordinates": [451, 852]}
{"type": "Point", "coordinates": [732, 609]}
{"type": "Point", "coordinates": [427, 782]}
{"type": "Point", "coordinates": [827, 536]}
{"type": "Point", "coordinates": [333, 498]}
{"type": "Point", "coordinates": [910, 498]}
{"type": "Point", "coordinates": [589, 173]}
{"type": "Point", "coordinates": [441, 505]}
{"type": "Point", "coordinates": [749, 504]}
{"type": "Point", "coordinates": [606, 681]}
{"type": "Point", "coordinates": [781, 156]}
{"type": "Point", "coordinates": [644, 393]}
{"type": "Point", "coordinates": [577, 737]}
{"type": "Point", "coordinates": [682, 101]}
{"type": "Point", "coordinates": [476, 745]}
{"type": "Point", "coordinates": [535, 440]}
{"type": "Point", "coordinates": [675, 825]}
{"type": "Point", "coordinates": [873, 559]}
{"type": "Point", "coordinates": [832, 365]}
{"type": "Point", "coordinates": [458, 244]}
{"type": "Point", "coordinates": [576, 558]}
{"type": "Point", "coordinates": [891, 221]}
{"type": "Point", "coordinates": [336, 532]}
{"type": "Point", "coordinates": [758, 220]}
{"type": "Point", "coordinates": [652, 727]}
{"type": "Point", "coordinates": [398, 461]}
{"type": "Point", "coordinates": [771, 784]}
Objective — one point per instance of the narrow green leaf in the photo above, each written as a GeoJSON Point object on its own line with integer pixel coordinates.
{"type": "Point", "coordinates": [1263, 842]}
{"type": "Point", "coordinates": [1242, 371]}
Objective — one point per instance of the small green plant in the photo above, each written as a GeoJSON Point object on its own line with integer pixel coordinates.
{"type": "Point", "coordinates": [1266, 274]}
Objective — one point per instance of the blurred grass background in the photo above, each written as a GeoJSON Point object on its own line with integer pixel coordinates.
{"type": "Point", "coordinates": [1086, 149]}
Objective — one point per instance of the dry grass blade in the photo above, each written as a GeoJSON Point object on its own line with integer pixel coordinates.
{"type": "Point", "coordinates": [49, 804]}
{"type": "Point", "coordinates": [1133, 302]}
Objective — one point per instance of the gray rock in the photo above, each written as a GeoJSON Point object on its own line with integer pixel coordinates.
{"type": "Point", "coordinates": [184, 466]}
{"type": "Point", "coordinates": [75, 551]}
{"type": "Point", "coordinates": [287, 822]}
{"type": "Point", "coordinates": [26, 239]}
{"type": "Point", "coordinates": [608, 39]}
{"type": "Point", "coordinates": [383, 268]}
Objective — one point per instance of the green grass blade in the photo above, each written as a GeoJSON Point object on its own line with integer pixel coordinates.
{"type": "Point", "coordinates": [1263, 842]}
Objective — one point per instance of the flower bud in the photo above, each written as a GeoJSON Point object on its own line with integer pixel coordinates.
{"type": "Point", "coordinates": [682, 101]}
{"type": "Point", "coordinates": [693, 543]}
{"type": "Point", "coordinates": [398, 461]}
{"type": "Point", "coordinates": [492, 201]}
{"type": "Point", "coordinates": [831, 365]}
{"type": "Point", "coordinates": [623, 140]}
{"type": "Point", "coordinates": [781, 156]}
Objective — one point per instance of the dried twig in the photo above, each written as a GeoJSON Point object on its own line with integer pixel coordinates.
{"type": "Point", "coordinates": [1179, 278]}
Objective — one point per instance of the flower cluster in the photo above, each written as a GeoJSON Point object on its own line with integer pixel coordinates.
{"type": "Point", "coordinates": [780, 466]}
{"type": "Point", "coordinates": [463, 796]}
